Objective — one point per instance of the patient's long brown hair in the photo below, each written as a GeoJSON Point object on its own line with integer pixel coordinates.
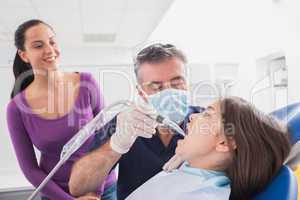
{"type": "Point", "coordinates": [262, 146]}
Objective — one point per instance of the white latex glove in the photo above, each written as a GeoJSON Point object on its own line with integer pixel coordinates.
{"type": "Point", "coordinates": [174, 163]}
{"type": "Point", "coordinates": [132, 123]}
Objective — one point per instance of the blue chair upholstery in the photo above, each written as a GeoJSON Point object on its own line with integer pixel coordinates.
{"type": "Point", "coordinates": [291, 115]}
{"type": "Point", "coordinates": [283, 187]}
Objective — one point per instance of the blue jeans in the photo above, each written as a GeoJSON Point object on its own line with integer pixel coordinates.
{"type": "Point", "coordinates": [109, 194]}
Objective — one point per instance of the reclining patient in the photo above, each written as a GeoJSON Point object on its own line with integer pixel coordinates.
{"type": "Point", "coordinates": [232, 151]}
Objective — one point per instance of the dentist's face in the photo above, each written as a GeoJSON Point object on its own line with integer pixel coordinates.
{"type": "Point", "coordinates": [155, 77]}
{"type": "Point", "coordinates": [41, 49]}
{"type": "Point", "coordinates": [204, 130]}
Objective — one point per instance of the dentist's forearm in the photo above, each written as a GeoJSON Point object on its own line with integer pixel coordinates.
{"type": "Point", "coordinates": [91, 170]}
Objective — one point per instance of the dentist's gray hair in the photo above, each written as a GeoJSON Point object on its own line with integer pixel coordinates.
{"type": "Point", "coordinates": [156, 53]}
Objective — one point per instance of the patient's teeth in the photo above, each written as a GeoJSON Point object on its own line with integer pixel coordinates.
{"type": "Point", "coordinates": [50, 59]}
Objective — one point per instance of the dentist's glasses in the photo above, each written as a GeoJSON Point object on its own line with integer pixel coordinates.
{"type": "Point", "coordinates": [156, 86]}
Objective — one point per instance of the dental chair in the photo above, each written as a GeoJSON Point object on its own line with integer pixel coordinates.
{"type": "Point", "coordinates": [291, 115]}
{"type": "Point", "coordinates": [284, 186]}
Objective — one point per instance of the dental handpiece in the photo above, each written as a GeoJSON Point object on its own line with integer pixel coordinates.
{"type": "Point", "coordinates": [164, 120]}
{"type": "Point", "coordinates": [170, 124]}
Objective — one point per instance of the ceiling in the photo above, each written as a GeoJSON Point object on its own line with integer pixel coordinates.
{"type": "Point", "coordinates": [117, 23]}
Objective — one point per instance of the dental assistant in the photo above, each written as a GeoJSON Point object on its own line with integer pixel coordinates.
{"type": "Point", "coordinates": [47, 107]}
{"type": "Point", "coordinates": [160, 72]}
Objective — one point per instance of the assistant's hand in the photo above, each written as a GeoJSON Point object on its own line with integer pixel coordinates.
{"type": "Point", "coordinates": [132, 123]}
{"type": "Point", "coordinates": [89, 196]}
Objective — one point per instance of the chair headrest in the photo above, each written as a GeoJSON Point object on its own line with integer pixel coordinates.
{"type": "Point", "coordinates": [283, 187]}
{"type": "Point", "coordinates": [290, 115]}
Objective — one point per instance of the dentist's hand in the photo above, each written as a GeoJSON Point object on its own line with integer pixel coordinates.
{"type": "Point", "coordinates": [132, 123]}
{"type": "Point", "coordinates": [174, 163]}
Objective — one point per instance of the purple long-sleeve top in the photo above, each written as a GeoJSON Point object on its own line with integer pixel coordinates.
{"type": "Point", "coordinates": [27, 128]}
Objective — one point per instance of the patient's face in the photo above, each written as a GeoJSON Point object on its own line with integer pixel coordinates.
{"type": "Point", "coordinates": [203, 131]}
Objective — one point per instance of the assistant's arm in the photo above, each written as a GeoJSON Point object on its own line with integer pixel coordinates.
{"type": "Point", "coordinates": [26, 156]}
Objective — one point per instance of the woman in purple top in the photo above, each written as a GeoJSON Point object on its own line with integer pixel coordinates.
{"type": "Point", "coordinates": [47, 108]}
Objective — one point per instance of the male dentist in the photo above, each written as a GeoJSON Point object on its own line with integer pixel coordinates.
{"type": "Point", "coordinates": [138, 145]}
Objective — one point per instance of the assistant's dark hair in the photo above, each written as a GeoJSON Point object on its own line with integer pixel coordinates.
{"type": "Point", "coordinates": [23, 71]}
{"type": "Point", "coordinates": [262, 147]}
{"type": "Point", "coordinates": [156, 53]}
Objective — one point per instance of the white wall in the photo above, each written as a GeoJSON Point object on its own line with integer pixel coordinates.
{"type": "Point", "coordinates": [290, 11]}
{"type": "Point", "coordinates": [213, 32]}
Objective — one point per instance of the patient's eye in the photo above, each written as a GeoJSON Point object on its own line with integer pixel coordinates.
{"type": "Point", "coordinates": [205, 114]}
